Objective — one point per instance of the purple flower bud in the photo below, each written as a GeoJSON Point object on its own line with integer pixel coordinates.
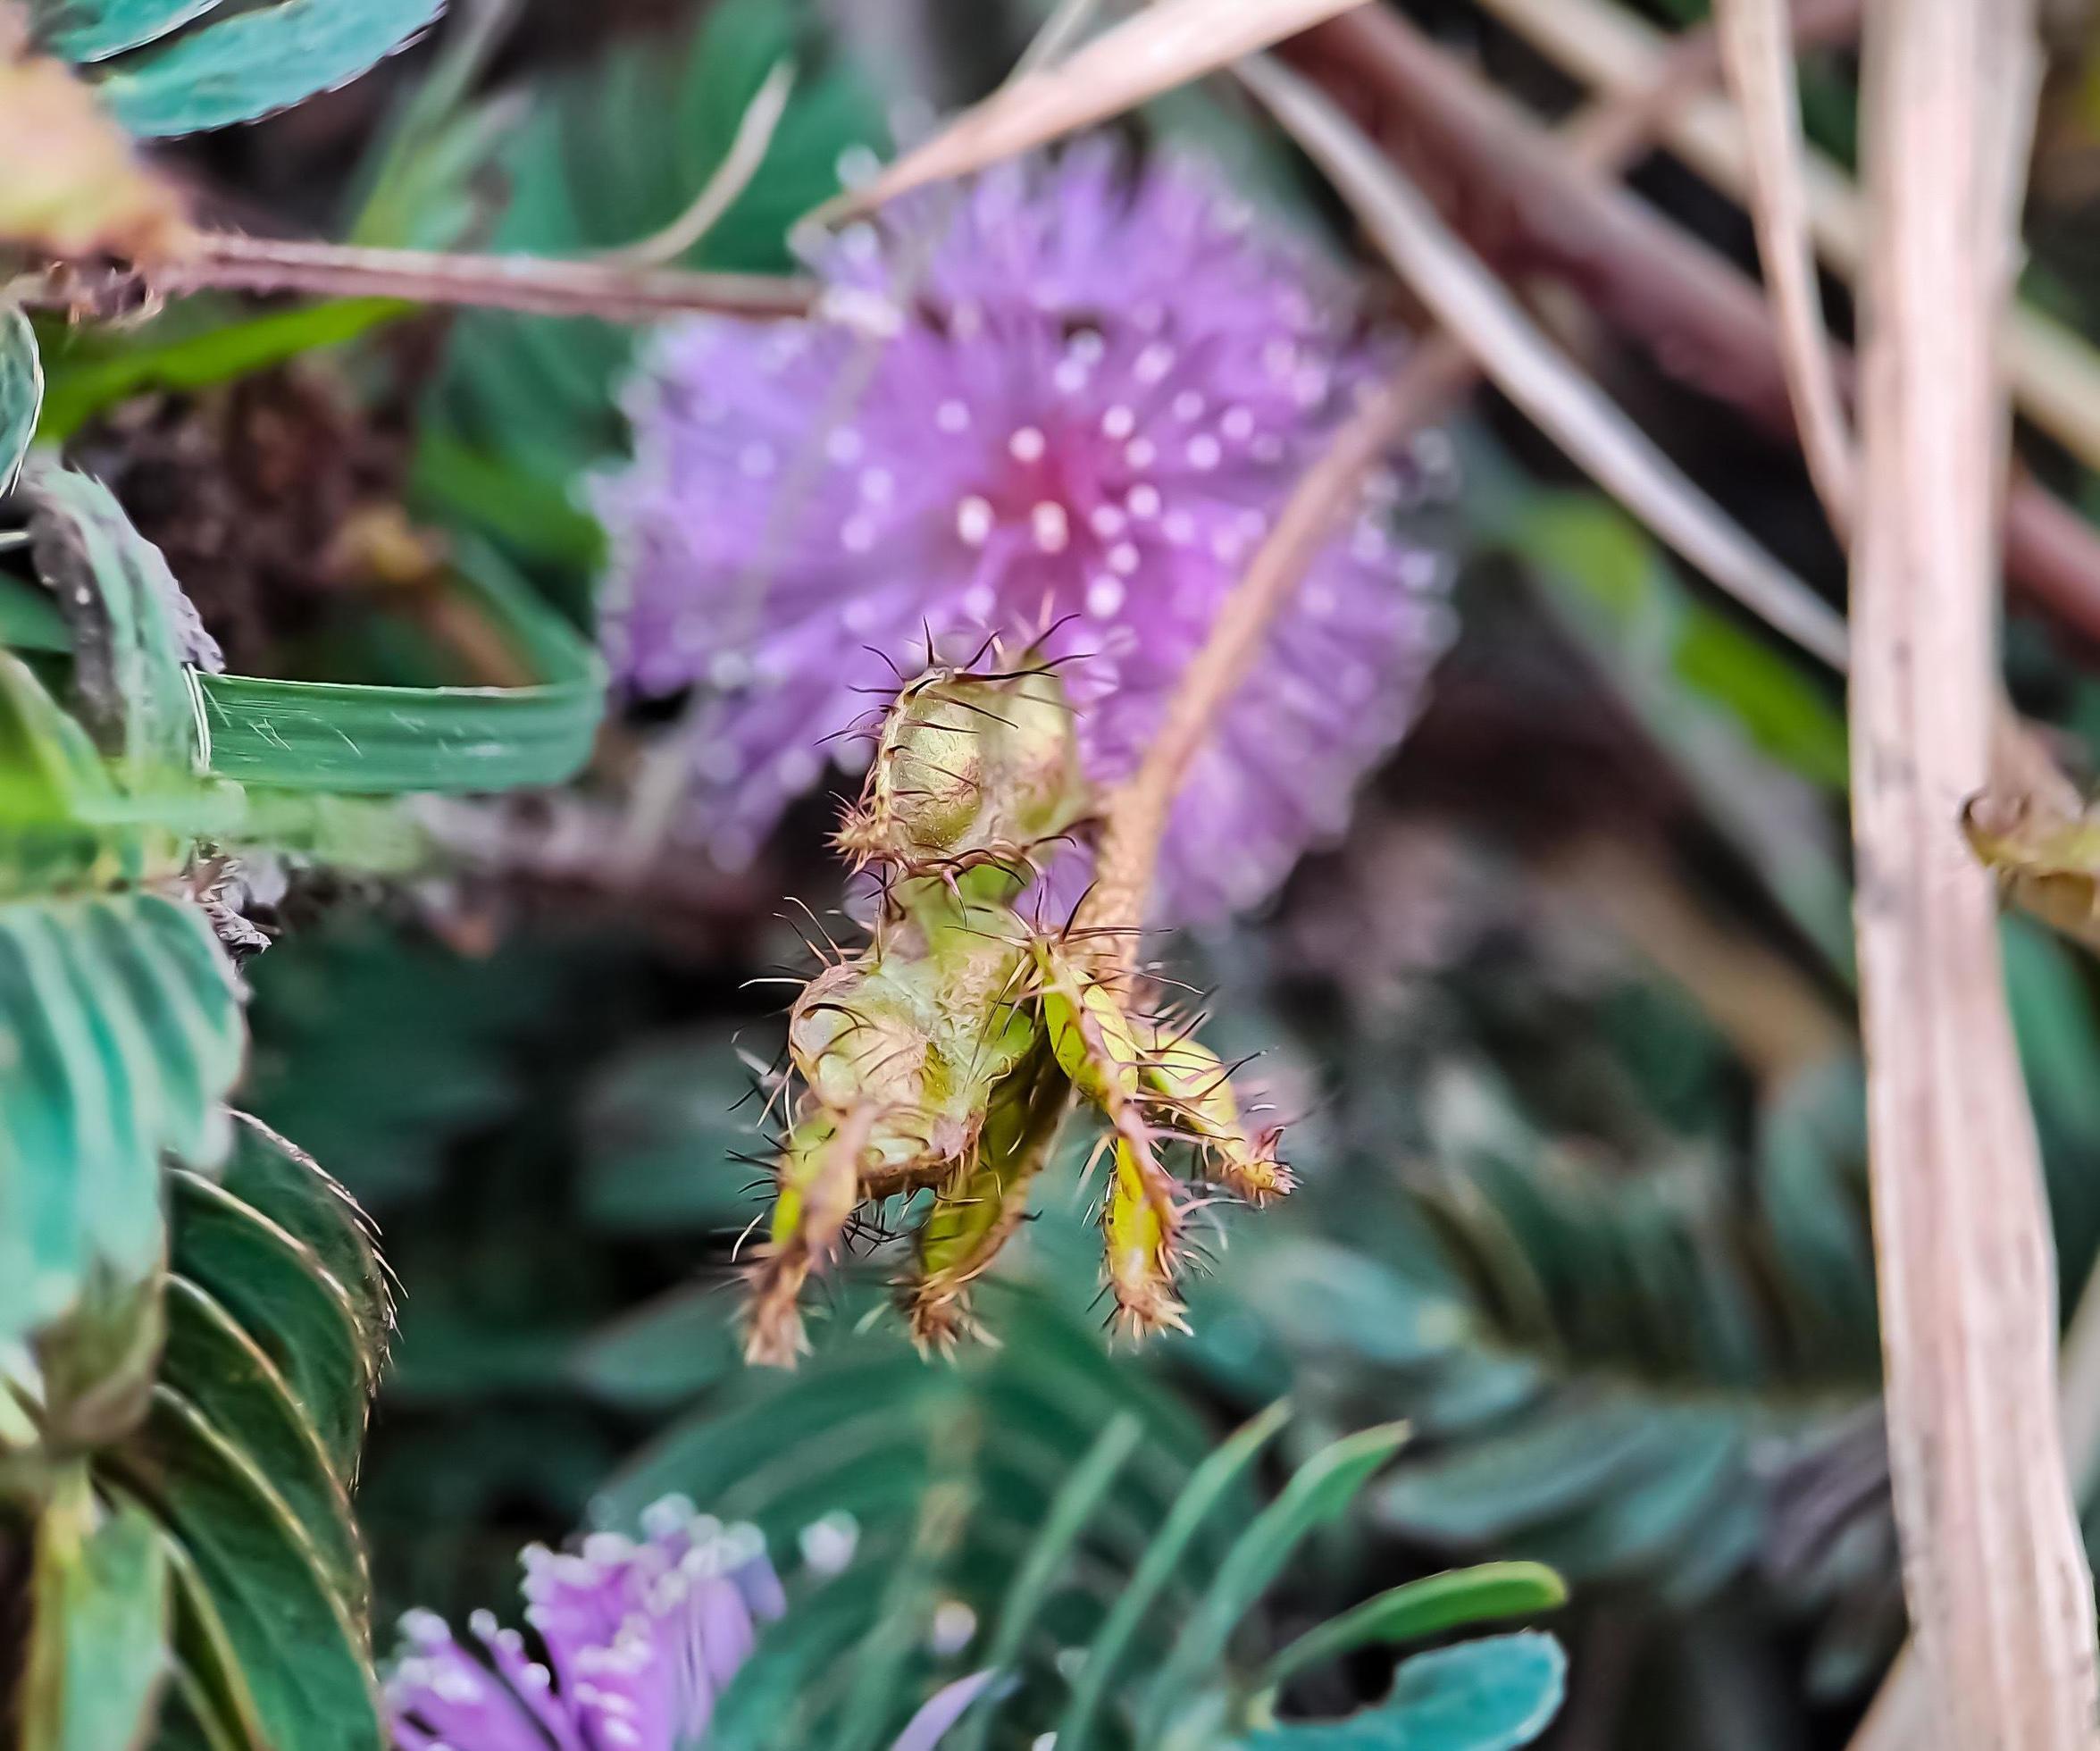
{"type": "Point", "coordinates": [640, 1638]}
{"type": "Point", "coordinates": [1095, 395]}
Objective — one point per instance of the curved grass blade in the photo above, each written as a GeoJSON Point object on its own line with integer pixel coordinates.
{"type": "Point", "coordinates": [1320, 1490]}
{"type": "Point", "coordinates": [1425, 1607]}
{"type": "Point", "coordinates": [1213, 1479]}
{"type": "Point", "coordinates": [1041, 1569]}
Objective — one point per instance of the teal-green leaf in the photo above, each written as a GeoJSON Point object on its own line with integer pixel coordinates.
{"type": "Point", "coordinates": [94, 30]}
{"type": "Point", "coordinates": [301, 1658]}
{"type": "Point", "coordinates": [252, 62]}
{"type": "Point", "coordinates": [1482, 1695]}
{"type": "Point", "coordinates": [1425, 1607]}
{"type": "Point", "coordinates": [286, 1299]}
{"type": "Point", "coordinates": [22, 392]}
{"type": "Point", "coordinates": [98, 1629]}
{"type": "Point", "coordinates": [120, 1034]}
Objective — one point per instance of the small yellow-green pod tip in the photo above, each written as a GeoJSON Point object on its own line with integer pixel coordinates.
{"type": "Point", "coordinates": [1141, 1228]}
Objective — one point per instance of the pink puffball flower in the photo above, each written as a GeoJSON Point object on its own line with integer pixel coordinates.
{"type": "Point", "coordinates": [1093, 393]}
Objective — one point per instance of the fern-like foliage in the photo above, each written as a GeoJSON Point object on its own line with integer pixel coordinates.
{"type": "Point", "coordinates": [1060, 1515]}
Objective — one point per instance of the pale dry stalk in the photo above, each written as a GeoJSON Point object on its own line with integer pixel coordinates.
{"type": "Point", "coordinates": [1994, 1571]}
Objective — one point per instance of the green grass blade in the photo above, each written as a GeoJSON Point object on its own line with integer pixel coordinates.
{"type": "Point", "coordinates": [1040, 1570]}
{"type": "Point", "coordinates": [1319, 1491]}
{"type": "Point", "coordinates": [1425, 1607]}
{"type": "Point", "coordinates": [1213, 1479]}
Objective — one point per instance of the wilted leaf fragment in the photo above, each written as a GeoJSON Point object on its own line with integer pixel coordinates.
{"type": "Point", "coordinates": [2046, 858]}
{"type": "Point", "coordinates": [253, 63]}
{"type": "Point", "coordinates": [70, 184]}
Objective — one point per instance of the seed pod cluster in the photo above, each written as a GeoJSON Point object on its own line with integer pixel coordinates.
{"type": "Point", "coordinates": [942, 1057]}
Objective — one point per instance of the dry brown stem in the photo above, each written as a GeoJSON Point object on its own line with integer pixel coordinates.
{"type": "Point", "coordinates": [1994, 1570]}
{"type": "Point", "coordinates": [612, 291]}
{"type": "Point", "coordinates": [1137, 812]}
{"type": "Point", "coordinates": [1759, 57]}
{"type": "Point", "coordinates": [1530, 207]}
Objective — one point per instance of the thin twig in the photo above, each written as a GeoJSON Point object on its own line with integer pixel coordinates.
{"type": "Point", "coordinates": [1167, 45]}
{"type": "Point", "coordinates": [1137, 813]}
{"type": "Point", "coordinates": [2001, 1600]}
{"type": "Point", "coordinates": [1437, 375]}
{"type": "Point", "coordinates": [228, 261]}
{"type": "Point", "coordinates": [747, 152]}
{"type": "Point", "coordinates": [1480, 311]}
{"type": "Point", "coordinates": [2056, 375]}
{"type": "Point", "coordinates": [1759, 59]}
{"type": "Point", "coordinates": [1523, 198]}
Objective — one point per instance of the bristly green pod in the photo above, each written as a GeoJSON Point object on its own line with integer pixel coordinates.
{"type": "Point", "coordinates": [971, 769]}
{"type": "Point", "coordinates": [939, 1061]}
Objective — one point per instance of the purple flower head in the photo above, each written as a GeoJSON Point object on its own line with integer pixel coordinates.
{"type": "Point", "coordinates": [639, 1639]}
{"type": "Point", "coordinates": [1098, 397]}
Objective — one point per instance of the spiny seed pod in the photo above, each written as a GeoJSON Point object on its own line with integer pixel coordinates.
{"type": "Point", "coordinates": [970, 769]}
{"type": "Point", "coordinates": [819, 1184]}
{"type": "Point", "coordinates": [1198, 1091]}
{"type": "Point", "coordinates": [943, 1056]}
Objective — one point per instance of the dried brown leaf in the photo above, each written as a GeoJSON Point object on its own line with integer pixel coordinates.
{"type": "Point", "coordinates": [70, 183]}
{"type": "Point", "coordinates": [1168, 43]}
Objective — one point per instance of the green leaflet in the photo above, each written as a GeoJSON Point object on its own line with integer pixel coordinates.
{"type": "Point", "coordinates": [122, 1036]}
{"type": "Point", "coordinates": [221, 1369]}
{"type": "Point", "coordinates": [134, 633]}
{"type": "Point", "coordinates": [250, 63]}
{"type": "Point", "coordinates": [1482, 1695]}
{"type": "Point", "coordinates": [137, 645]}
{"type": "Point", "coordinates": [100, 1593]}
{"type": "Point", "coordinates": [22, 392]}
{"type": "Point", "coordinates": [286, 1186]}
{"type": "Point", "coordinates": [94, 30]}
{"type": "Point", "coordinates": [260, 1591]}
{"type": "Point", "coordinates": [277, 1288]}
